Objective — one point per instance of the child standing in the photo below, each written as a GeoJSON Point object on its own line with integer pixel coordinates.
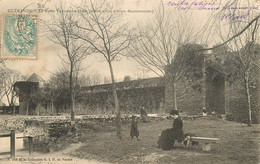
{"type": "Point", "coordinates": [134, 128]}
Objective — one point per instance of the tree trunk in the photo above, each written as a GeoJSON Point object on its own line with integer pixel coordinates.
{"type": "Point", "coordinates": [12, 101]}
{"type": "Point", "coordinates": [72, 112]}
{"type": "Point", "coordinates": [27, 109]}
{"type": "Point", "coordinates": [174, 96]}
{"type": "Point", "coordinates": [52, 108]}
{"type": "Point", "coordinates": [248, 99]}
{"type": "Point", "coordinates": [118, 115]}
{"type": "Point", "coordinates": [203, 86]}
{"type": "Point", "coordinates": [38, 111]}
{"type": "Point", "coordinates": [72, 109]}
{"type": "Point", "coordinates": [8, 103]}
{"type": "Point", "coordinates": [57, 111]}
{"type": "Point", "coordinates": [10, 108]}
{"type": "Point", "coordinates": [114, 87]}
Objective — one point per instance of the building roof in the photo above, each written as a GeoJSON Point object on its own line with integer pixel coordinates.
{"type": "Point", "coordinates": [25, 84]}
{"type": "Point", "coordinates": [35, 78]}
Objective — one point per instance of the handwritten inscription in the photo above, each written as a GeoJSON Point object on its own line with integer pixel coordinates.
{"type": "Point", "coordinates": [234, 16]}
{"type": "Point", "coordinates": [227, 6]}
{"type": "Point", "coordinates": [212, 5]}
{"type": "Point", "coordinates": [187, 5]}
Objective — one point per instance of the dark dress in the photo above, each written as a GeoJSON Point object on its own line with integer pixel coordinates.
{"type": "Point", "coordinates": [134, 129]}
{"type": "Point", "coordinates": [168, 136]}
{"type": "Point", "coordinates": [177, 129]}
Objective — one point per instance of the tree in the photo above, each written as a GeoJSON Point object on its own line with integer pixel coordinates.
{"type": "Point", "coordinates": [91, 79]}
{"type": "Point", "coordinates": [127, 78]}
{"type": "Point", "coordinates": [62, 29]}
{"type": "Point", "coordinates": [232, 13]}
{"type": "Point", "coordinates": [106, 80]}
{"type": "Point", "coordinates": [155, 45]}
{"type": "Point", "coordinates": [53, 89]}
{"type": "Point", "coordinates": [245, 64]}
{"type": "Point", "coordinates": [101, 27]}
{"type": "Point", "coordinates": [142, 73]}
{"type": "Point", "coordinates": [8, 78]}
{"type": "Point", "coordinates": [56, 90]}
{"type": "Point", "coordinates": [2, 67]}
{"type": "Point", "coordinates": [241, 39]}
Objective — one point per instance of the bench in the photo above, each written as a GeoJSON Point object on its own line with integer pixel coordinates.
{"type": "Point", "coordinates": [205, 142]}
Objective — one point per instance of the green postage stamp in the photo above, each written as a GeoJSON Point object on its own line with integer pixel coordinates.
{"type": "Point", "coordinates": [19, 36]}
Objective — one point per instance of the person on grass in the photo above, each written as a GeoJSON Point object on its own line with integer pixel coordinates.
{"type": "Point", "coordinates": [168, 136]}
{"type": "Point", "coordinates": [134, 128]}
{"type": "Point", "coordinates": [144, 116]}
{"type": "Point", "coordinates": [177, 125]}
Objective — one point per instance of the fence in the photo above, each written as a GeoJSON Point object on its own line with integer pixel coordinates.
{"type": "Point", "coordinates": [12, 143]}
{"type": "Point", "coordinates": [30, 139]}
{"type": "Point", "coordinates": [7, 110]}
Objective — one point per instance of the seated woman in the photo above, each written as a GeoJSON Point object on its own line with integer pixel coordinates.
{"type": "Point", "coordinates": [177, 125]}
{"type": "Point", "coordinates": [168, 136]}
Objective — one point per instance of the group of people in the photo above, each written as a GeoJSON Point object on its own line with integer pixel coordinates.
{"type": "Point", "coordinates": [168, 136]}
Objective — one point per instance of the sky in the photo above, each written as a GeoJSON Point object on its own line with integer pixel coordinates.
{"type": "Point", "coordinates": [48, 60]}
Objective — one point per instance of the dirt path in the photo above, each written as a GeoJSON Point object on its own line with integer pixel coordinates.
{"type": "Point", "coordinates": [22, 156]}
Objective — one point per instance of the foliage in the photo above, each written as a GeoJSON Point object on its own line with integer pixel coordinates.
{"type": "Point", "coordinates": [59, 129]}
{"type": "Point", "coordinates": [127, 78]}
{"type": "Point", "coordinates": [90, 79]}
{"type": "Point", "coordinates": [11, 123]}
{"type": "Point", "coordinates": [188, 62]}
{"type": "Point", "coordinates": [8, 77]}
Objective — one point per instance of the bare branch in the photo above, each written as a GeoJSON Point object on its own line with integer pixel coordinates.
{"type": "Point", "coordinates": [234, 36]}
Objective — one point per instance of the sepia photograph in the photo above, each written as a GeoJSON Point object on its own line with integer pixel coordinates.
{"type": "Point", "coordinates": [130, 81]}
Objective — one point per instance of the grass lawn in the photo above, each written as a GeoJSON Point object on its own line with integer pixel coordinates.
{"type": "Point", "coordinates": [239, 144]}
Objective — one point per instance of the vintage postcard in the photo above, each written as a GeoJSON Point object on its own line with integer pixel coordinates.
{"type": "Point", "coordinates": [129, 81]}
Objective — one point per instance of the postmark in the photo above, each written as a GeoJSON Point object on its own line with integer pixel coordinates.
{"type": "Point", "coordinates": [19, 36]}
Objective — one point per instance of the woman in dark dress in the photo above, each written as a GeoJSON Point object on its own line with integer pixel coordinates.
{"type": "Point", "coordinates": [177, 126]}
{"type": "Point", "coordinates": [168, 136]}
{"type": "Point", "coordinates": [134, 128]}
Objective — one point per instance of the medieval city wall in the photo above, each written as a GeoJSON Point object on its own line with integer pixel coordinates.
{"type": "Point", "coordinates": [189, 100]}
